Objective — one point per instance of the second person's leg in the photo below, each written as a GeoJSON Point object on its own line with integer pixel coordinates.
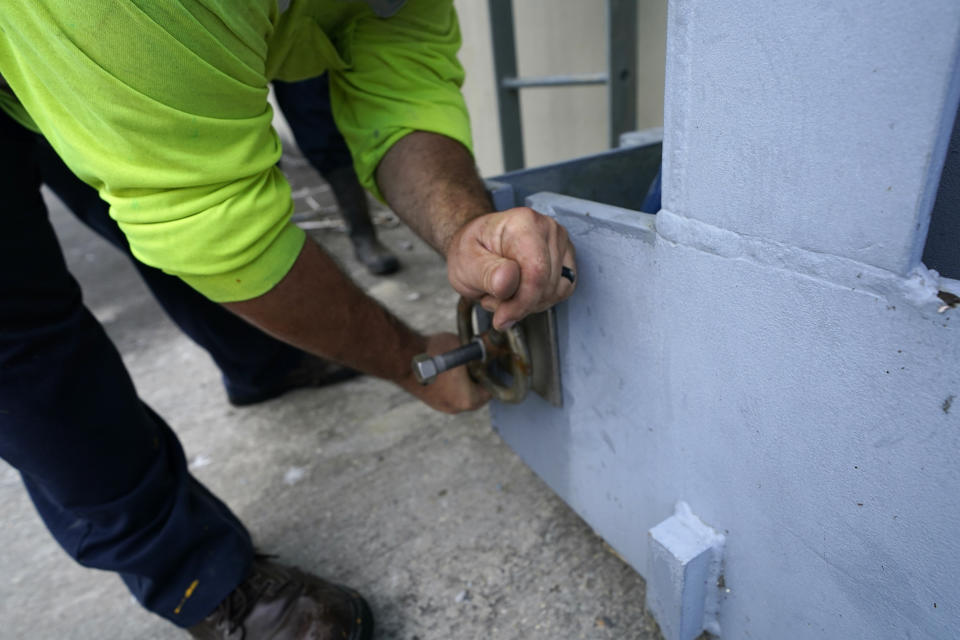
{"type": "Point", "coordinates": [306, 106]}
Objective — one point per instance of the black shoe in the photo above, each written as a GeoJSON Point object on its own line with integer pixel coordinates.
{"type": "Point", "coordinates": [352, 200]}
{"type": "Point", "coordinates": [378, 260]}
{"type": "Point", "coordinates": [284, 603]}
{"type": "Point", "coordinates": [312, 371]}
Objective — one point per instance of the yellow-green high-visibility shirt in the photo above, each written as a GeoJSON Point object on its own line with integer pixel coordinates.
{"type": "Point", "coordinates": [161, 105]}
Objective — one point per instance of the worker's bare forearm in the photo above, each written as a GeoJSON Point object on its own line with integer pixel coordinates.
{"type": "Point", "coordinates": [431, 182]}
{"type": "Point", "coordinates": [318, 308]}
{"type": "Point", "coordinates": [511, 261]}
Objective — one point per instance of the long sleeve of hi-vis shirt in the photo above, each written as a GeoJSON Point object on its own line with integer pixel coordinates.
{"type": "Point", "coordinates": [162, 107]}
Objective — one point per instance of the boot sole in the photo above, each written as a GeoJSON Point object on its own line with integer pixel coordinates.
{"type": "Point", "coordinates": [362, 615]}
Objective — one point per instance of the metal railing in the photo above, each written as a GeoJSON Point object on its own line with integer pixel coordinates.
{"type": "Point", "coordinates": [620, 76]}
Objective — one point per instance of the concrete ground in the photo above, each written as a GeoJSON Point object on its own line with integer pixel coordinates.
{"type": "Point", "coordinates": [432, 517]}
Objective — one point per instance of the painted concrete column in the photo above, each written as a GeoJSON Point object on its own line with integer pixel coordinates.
{"type": "Point", "coordinates": [822, 125]}
{"type": "Point", "coordinates": [768, 348]}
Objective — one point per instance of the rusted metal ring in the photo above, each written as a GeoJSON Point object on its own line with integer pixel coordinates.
{"type": "Point", "coordinates": [519, 362]}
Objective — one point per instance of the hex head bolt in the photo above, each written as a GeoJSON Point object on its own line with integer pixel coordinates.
{"type": "Point", "coordinates": [427, 368]}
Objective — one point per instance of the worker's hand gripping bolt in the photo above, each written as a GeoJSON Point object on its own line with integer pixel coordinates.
{"type": "Point", "coordinates": [426, 368]}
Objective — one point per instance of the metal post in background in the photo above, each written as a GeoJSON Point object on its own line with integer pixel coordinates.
{"type": "Point", "coordinates": [622, 66]}
{"type": "Point", "coordinates": [508, 98]}
{"type": "Point", "coordinates": [620, 77]}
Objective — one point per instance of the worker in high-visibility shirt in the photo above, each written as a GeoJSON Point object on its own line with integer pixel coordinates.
{"type": "Point", "coordinates": [162, 108]}
{"type": "Point", "coordinates": [254, 366]}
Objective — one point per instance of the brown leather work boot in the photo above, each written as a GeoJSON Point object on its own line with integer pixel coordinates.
{"type": "Point", "coordinates": [284, 603]}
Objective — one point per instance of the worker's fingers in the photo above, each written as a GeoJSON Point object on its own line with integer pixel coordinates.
{"type": "Point", "coordinates": [512, 262]}
{"type": "Point", "coordinates": [490, 303]}
{"type": "Point", "coordinates": [501, 276]}
{"type": "Point", "coordinates": [474, 269]}
{"type": "Point", "coordinates": [542, 248]}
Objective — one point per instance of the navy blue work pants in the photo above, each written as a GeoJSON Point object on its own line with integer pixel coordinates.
{"type": "Point", "coordinates": [106, 473]}
{"type": "Point", "coordinates": [306, 107]}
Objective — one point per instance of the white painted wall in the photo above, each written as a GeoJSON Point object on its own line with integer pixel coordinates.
{"type": "Point", "coordinates": [768, 348]}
